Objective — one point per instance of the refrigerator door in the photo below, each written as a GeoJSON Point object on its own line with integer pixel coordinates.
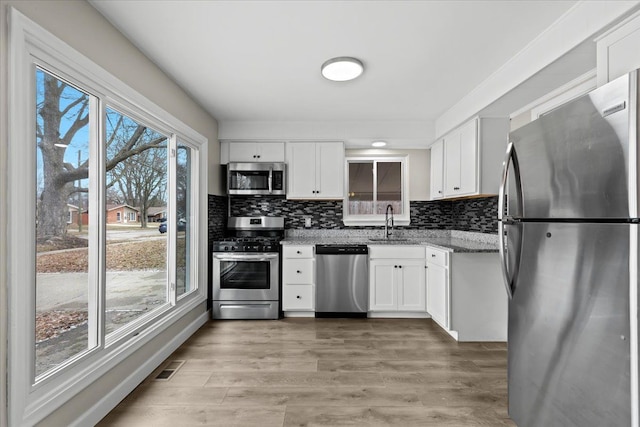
{"type": "Point", "coordinates": [568, 344]}
{"type": "Point", "coordinates": [574, 161]}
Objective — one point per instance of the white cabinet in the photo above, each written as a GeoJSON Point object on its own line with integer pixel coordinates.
{"type": "Point", "coordinates": [471, 160]}
{"type": "Point", "coordinates": [298, 279]}
{"type": "Point", "coordinates": [438, 290]}
{"type": "Point", "coordinates": [466, 296]}
{"type": "Point", "coordinates": [397, 279]}
{"type": "Point", "coordinates": [437, 163]}
{"type": "Point", "coordinates": [461, 161]}
{"type": "Point", "coordinates": [256, 152]}
{"type": "Point", "coordinates": [315, 170]}
{"type": "Point", "coordinates": [617, 51]}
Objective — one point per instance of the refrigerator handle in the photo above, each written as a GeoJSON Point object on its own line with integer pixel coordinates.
{"type": "Point", "coordinates": [509, 157]}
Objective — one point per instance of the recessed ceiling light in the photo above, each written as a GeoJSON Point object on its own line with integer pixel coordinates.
{"type": "Point", "coordinates": [379, 143]}
{"type": "Point", "coordinates": [342, 69]}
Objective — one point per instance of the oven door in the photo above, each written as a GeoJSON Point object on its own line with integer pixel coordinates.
{"type": "Point", "coordinates": [245, 277]}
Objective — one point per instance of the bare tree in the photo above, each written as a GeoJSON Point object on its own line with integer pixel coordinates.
{"type": "Point", "coordinates": [63, 112]}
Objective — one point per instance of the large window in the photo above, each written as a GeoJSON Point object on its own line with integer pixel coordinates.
{"type": "Point", "coordinates": [91, 280]}
{"type": "Point", "coordinates": [375, 185]}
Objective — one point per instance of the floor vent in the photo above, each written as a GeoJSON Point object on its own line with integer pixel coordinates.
{"type": "Point", "coordinates": [168, 371]}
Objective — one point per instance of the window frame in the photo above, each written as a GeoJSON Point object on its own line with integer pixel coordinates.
{"type": "Point", "coordinates": [31, 46]}
{"type": "Point", "coordinates": [377, 219]}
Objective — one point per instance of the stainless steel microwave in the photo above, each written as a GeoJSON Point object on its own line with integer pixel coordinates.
{"type": "Point", "coordinates": [257, 179]}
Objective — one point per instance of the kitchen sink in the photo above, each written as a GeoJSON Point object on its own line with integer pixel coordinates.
{"type": "Point", "coordinates": [393, 239]}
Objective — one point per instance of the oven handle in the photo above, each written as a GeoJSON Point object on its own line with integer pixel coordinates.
{"type": "Point", "coordinates": [246, 257]}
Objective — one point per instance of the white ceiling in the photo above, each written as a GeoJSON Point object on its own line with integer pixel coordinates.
{"type": "Point", "coordinates": [259, 61]}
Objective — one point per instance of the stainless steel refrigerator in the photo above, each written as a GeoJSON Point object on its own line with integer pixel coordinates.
{"type": "Point", "coordinates": [569, 242]}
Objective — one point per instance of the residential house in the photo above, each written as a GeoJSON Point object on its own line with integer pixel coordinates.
{"type": "Point", "coordinates": [122, 214]}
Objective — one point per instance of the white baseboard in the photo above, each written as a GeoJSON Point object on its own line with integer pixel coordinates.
{"type": "Point", "coordinates": [398, 314]}
{"type": "Point", "coordinates": [299, 314]}
{"type": "Point", "coordinates": [98, 411]}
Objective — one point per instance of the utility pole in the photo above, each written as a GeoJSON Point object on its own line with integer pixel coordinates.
{"type": "Point", "coordinates": [79, 192]}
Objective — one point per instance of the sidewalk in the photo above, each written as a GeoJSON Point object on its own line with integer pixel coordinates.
{"type": "Point", "coordinates": [125, 290]}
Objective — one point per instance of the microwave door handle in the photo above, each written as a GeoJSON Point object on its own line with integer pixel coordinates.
{"type": "Point", "coordinates": [270, 180]}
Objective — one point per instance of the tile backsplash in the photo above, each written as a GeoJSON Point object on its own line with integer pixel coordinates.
{"type": "Point", "coordinates": [477, 214]}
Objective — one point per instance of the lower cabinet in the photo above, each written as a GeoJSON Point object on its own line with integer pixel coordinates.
{"type": "Point", "coordinates": [298, 279]}
{"type": "Point", "coordinates": [438, 290]}
{"type": "Point", "coordinates": [397, 279]}
{"type": "Point", "coordinates": [466, 296]}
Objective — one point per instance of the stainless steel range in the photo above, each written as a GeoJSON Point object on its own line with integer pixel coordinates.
{"type": "Point", "coordinates": [246, 269]}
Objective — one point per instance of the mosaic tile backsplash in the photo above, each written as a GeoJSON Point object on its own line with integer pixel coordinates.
{"type": "Point", "coordinates": [469, 215]}
{"type": "Point", "coordinates": [217, 217]}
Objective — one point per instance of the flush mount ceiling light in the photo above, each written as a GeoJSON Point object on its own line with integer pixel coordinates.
{"type": "Point", "coordinates": [379, 143]}
{"type": "Point", "coordinates": [342, 69]}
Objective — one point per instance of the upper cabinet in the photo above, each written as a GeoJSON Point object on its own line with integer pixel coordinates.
{"type": "Point", "coordinates": [256, 152]}
{"type": "Point", "coordinates": [315, 170]}
{"type": "Point", "coordinates": [617, 50]}
{"type": "Point", "coordinates": [437, 163]}
{"type": "Point", "coordinates": [467, 161]}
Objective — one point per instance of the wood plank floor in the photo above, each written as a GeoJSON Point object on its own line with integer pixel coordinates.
{"type": "Point", "coordinates": [324, 372]}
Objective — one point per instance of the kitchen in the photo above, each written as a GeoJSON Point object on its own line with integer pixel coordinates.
{"type": "Point", "coordinates": [583, 45]}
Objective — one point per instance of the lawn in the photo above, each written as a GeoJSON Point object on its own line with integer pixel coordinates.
{"type": "Point", "coordinates": [127, 256]}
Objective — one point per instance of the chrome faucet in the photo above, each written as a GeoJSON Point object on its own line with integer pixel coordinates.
{"type": "Point", "coordinates": [387, 232]}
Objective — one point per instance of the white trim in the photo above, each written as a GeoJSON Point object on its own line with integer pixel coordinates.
{"type": "Point", "coordinates": [399, 314]}
{"type": "Point", "coordinates": [373, 219]}
{"type": "Point", "coordinates": [565, 93]}
{"type": "Point", "coordinates": [577, 25]}
{"type": "Point", "coordinates": [98, 411]}
{"type": "Point", "coordinates": [31, 45]}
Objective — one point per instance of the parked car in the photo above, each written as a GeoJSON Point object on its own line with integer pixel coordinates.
{"type": "Point", "coordinates": [182, 226]}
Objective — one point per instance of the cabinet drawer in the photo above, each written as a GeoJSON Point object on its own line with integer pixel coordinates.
{"type": "Point", "coordinates": [298, 271]}
{"type": "Point", "coordinates": [297, 297]}
{"type": "Point", "coordinates": [437, 256]}
{"type": "Point", "coordinates": [297, 251]}
{"type": "Point", "coordinates": [399, 252]}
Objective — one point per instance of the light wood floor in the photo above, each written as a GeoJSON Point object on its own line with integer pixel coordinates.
{"type": "Point", "coordinates": [324, 372]}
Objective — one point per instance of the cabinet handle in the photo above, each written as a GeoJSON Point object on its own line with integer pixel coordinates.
{"type": "Point", "coordinates": [258, 156]}
{"type": "Point", "coordinates": [298, 296]}
{"type": "Point", "coordinates": [298, 271]}
{"type": "Point", "coordinates": [399, 266]}
{"type": "Point", "coordinates": [439, 192]}
{"type": "Point", "coordinates": [254, 156]}
{"type": "Point", "coordinates": [456, 188]}
{"type": "Point", "coordinates": [433, 255]}
{"type": "Point", "coordinates": [298, 252]}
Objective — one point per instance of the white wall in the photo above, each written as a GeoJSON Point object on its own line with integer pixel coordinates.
{"type": "Point", "coordinates": [419, 168]}
{"type": "Point", "coordinates": [83, 28]}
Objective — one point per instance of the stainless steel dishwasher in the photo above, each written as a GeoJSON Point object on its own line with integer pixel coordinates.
{"type": "Point", "coordinates": [342, 280]}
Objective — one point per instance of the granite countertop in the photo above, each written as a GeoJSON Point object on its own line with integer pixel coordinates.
{"type": "Point", "coordinates": [446, 242]}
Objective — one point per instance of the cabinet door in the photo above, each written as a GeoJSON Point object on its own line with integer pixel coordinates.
{"type": "Point", "coordinates": [411, 286]}
{"type": "Point", "coordinates": [452, 164]}
{"type": "Point", "coordinates": [243, 152]}
{"type": "Point", "coordinates": [382, 287]}
{"type": "Point", "coordinates": [271, 152]}
{"type": "Point", "coordinates": [301, 164]}
{"type": "Point", "coordinates": [330, 170]}
{"type": "Point", "coordinates": [438, 294]}
{"type": "Point", "coordinates": [468, 158]}
{"type": "Point", "coordinates": [437, 163]}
